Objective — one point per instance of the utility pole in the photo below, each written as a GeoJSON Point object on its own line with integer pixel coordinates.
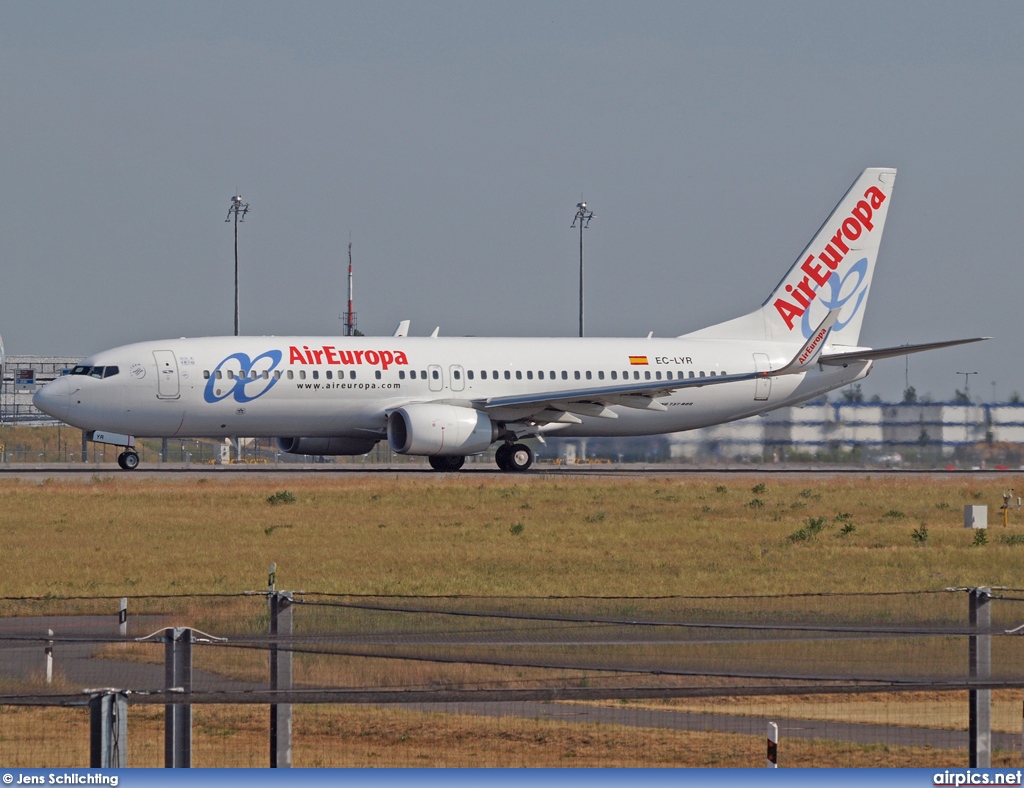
{"type": "Point", "coordinates": [238, 209]}
{"type": "Point", "coordinates": [583, 216]}
{"type": "Point", "coordinates": [350, 316]}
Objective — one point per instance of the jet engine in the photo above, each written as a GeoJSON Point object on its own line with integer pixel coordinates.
{"type": "Point", "coordinates": [440, 430]}
{"type": "Point", "coordinates": [326, 445]}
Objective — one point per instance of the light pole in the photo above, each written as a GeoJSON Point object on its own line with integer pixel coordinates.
{"type": "Point", "coordinates": [583, 216]}
{"type": "Point", "coordinates": [239, 209]}
{"type": "Point", "coordinates": [967, 383]}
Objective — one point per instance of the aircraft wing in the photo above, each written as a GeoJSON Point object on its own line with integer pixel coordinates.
{"type": "Point", "coordinates": [838, 358]}
{"type": "Point", "coordinates": [596, 401]}
{"type": "Point", "coordinates": [564, 406]}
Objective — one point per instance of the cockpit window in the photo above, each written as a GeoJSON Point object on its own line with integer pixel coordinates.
{"type": "Point", "coordinates": [81, 370]}
{"type": "Point", "coordinates": [96, 372]}
{"type": "Point", "coordinates": [109, 372]}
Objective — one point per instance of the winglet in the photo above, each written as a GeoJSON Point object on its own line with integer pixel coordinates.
{"type": "Point", "coordinates": [808, 355]}
{"type": "Point", "coordinates": [402, 330]}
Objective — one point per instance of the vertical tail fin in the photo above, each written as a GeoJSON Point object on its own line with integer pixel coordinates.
{"type": "Point", "coordinates": [834, 271]}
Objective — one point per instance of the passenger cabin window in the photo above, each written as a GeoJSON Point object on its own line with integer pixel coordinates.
{"type": "Point", "coordinates": [508, 375]}
{"type": "Point", "coordinates": [412, 374]}
{"type": "Point", "coordinates": [565, 375]}
{"type": "Point", "coordinates": [291, 375]}
{"type": "Point", "coordinates": [376, 373]}
{"type": "Point", "coordinates": [277, 374]}
{"type": "Point", "coordinates": [588, 374]}
{"type": "Point", "coordinates": [494, 374]}
{"type": "Point", "coordinates": [401, 374]}
{"type": "Point", "coordinates": [455, 374]}
{"type": "Point", "coordinates": [231, 375]}
{"type": "Point", "coordinates": [600, 375]}
{"type": "Point", "coordinates": [647, 375]}
{"type": "Point", "coordinates": [302, 374]}
{"type": "Point", "coordinates": [540, 375]}
{"type": "Point", "coordinates": [692, 374]}
{"type": "Point", "coordinates": [206, 374]}
{"type": "Point", "coordinates": [219, 374]}
{"type": "Point", "coordinates": [519, 374]}
{"type": "Point", "coordinates": [435, 374]}
{"type": "Point", "coordinates": [576, 374]}
{"type": "Point", "coordinates": [529, 374]}
{"type": "Point", "coordinates": [316, 374]}
{"type": "Point", "coordinates": [330, 374]}
{"type": "Point", "coordinates": [469, 374]}
{"type": "Point", "coordinates": [615, 375]}
{"type": "Point", "coordinates": [352, 374]}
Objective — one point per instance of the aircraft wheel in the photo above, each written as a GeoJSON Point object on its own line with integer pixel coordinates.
{"type": "Point", "coordinates": [447, 463]}
{"type": "Point", "coordinates": [520, 457]}
{"type": "Point", "coordinates": [128, 460]}
{"type": "Point", "coordinates": [501, 456]}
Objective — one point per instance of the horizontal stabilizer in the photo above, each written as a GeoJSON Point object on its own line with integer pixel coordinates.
{"type": "Point", "coordinates": [844, 357]}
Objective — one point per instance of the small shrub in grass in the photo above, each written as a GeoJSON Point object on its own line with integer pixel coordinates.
{"type": "Point", "coordinates": [721, 488]}
{"type": "Point", "coordinates": [755, 503]}
{"type": "Point", "coordinates": [847, 529]}
{"type": "Point", "coordinates": [810, 494]}
{"type": "Point", "coordinates": [814, 526]}
{"type": "Point", "coordinates": [516, 529]}
{"type": "Point", "coordinates": [980, 538]}
{"type": "Point", "coordinates": [281, 497]}
{"type": "Point", "coordinates": [757, 489]}
{"type": "Point", "coordinates": [894, 514]}
{"type": "Point", "coordinates": [595, 518]}
{"type": "Point", "coordinates": [920, 535]}
{"type": "Point", "coordinates": [1010, 539]}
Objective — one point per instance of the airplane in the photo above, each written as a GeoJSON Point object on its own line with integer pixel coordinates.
{"type": "Point", "coordinates": [449, 397]}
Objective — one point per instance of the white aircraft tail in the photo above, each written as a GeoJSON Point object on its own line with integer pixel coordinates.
{"type": "Point", "coordinates": [833, 272]}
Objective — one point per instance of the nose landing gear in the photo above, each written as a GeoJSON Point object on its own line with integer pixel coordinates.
{"type": "Point", "coordinates": [128, 460]}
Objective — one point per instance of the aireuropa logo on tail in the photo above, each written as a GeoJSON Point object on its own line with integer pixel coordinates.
{"type": "Point", "coordinates": [822, 269]}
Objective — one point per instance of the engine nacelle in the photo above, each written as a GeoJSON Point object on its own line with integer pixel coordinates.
{"type": "Point", "coordinates": [331, 446]}
{"type": "Point", "coordinates": [440, 430]}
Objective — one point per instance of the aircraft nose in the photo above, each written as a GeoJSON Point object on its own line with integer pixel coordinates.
{"type": "Point", "coordinates": [54, 398]}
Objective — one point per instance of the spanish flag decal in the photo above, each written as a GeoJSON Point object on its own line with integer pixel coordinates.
{"type": "Point", "coordinates": [638, 361]}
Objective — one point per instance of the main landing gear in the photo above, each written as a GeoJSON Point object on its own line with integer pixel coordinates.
{"type": "Point", "coordinates": [128, 460]}
{"type": "Point", "coordinates": [447, 462]}
{"type": "Point", "coordinates": [514, 457]}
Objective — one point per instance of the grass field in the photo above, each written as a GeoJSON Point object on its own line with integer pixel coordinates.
{"type": "Point", "coordinates": [532, 535]}
{"type": "Point", "coordinates": [411, 533]}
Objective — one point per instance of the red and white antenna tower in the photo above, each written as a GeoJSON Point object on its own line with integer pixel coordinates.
{"type": "Point", "coordinates": [349, 317]}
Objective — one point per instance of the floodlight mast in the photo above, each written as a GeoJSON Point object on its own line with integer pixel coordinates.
{"type": "Point", "coordinates": [238, 209]}
{"type": "Point", "coordinates": [583, 216]}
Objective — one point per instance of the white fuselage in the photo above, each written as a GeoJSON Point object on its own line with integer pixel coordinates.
{"type": "Point", "coordinates": [221, 387]}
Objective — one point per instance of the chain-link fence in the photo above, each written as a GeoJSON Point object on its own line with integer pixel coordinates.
{"type": "Point", "coordinates": [899, 679]}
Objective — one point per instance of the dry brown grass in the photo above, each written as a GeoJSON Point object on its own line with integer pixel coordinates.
{"type": "Point", "coordinates": [441, 534]}
{"type": "Point", "coordinates": [346, 736]}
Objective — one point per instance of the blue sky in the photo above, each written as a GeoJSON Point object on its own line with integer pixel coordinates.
{"type": "Point", "coordinates": [451, 142]}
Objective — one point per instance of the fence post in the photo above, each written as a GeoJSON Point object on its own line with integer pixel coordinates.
{"type": "Point", "coordinates": [773, 746]}
{"type": "Point", "coordinates": [980, 663]}
{"type": "Point", "coordinates": [108, 730]}
{"type": "Point", "coordinates": [280, 679]}
{"type": "Point", "coordinates": [178, 716]}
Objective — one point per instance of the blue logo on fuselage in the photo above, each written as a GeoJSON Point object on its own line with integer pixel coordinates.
{"type": "Point", "coordinates": [243, 387]}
